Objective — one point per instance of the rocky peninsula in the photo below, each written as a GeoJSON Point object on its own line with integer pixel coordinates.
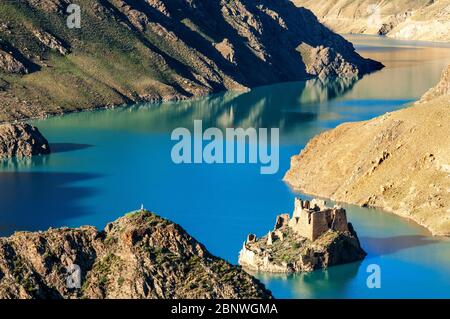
{"type": "Point", "coordinates": [315, 237]}
{"type": "Point", "coordinates": [21, 140]}
{"type": "Point", "coordinates": [401, 19]}
{"type": "Point", "coordinates": [135, 51]}
{"type": "Point", "coordinates": [399, 162]}
{"type": "Point", "coordinates": [140, 255]}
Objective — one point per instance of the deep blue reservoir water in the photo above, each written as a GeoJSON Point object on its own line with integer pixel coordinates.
{"type": "Point", "coordinates": [106, 163]}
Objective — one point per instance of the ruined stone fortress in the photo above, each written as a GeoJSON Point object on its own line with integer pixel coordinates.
{"type": "Point", "coordinates": [316, 236]}
{"type": "Point", "coordinates": [311, 219]}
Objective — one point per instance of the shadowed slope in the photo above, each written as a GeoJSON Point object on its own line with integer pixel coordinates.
{"type": "Point", "coordinates": [134, 50]}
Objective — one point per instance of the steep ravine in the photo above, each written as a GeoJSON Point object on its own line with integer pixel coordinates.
{"type": "Point", "coordinates": [399, 162]}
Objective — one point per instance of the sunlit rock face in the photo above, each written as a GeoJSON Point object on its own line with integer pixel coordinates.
{"type": "Point", "coordinates": [21, 140]}
{"type": "Point", "coordinates": [398, 161]}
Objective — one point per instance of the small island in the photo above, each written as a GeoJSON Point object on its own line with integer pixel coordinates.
{"type": "Point", "coordinates": [315, 237]}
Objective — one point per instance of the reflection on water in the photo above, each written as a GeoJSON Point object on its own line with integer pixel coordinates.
{"type": "Point", "coordinates": [412, 67]}
{"type": "Point", "coordinates": [106, 163]}
{"type": "Point", "coordinates": [273, 106]}
{"type": "Point", "coordinates": [13, 164]}
{"type": "Point", "coordinates": [321, 283]}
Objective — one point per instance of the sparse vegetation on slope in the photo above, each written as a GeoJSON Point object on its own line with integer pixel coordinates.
{"type": "Point", "coordinates": [135, 50]}
{"type": "Point", "coordinates": [140, 255]}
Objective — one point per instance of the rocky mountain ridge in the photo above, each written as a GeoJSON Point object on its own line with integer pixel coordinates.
{"type": "Point", "coordinates": [140, 255]}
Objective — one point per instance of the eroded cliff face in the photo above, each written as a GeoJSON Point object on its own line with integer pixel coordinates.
{"type": "Point", "coordinates": [402, 19]}
{"type": "Point", "coordinates": [138, 256]}
{"type": "Point", "coordinates": [399, 161]}
{"type": "Point", "coordinates": [22, 140]}
{"type": "Point", "coordinates": [9, 64]}
{"type": "Point", "coordinates": [128, 51]}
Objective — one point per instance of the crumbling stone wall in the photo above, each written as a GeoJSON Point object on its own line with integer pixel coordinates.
{"type": "Point", "coordinates": [312, 219]}
{"type": "Point", "coordinates": [309, 219]}
{"type": "Point", "coordinates": [340, 220]}
{"type": "Point", "coordinates": [321, 223]}
{"type": "Point", "coordinates": [303, 224]}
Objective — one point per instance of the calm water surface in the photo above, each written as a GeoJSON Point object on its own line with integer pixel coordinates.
{"type": "Point", "coordinates": [106, 163]}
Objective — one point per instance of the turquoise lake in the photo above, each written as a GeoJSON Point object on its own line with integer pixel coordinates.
{"type": "Point", "coordinates": [107, 163]}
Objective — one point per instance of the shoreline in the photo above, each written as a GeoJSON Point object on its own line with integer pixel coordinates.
{"type": "Point", "coordinates": [408, 44]}
{"type": "Point", "coordinates": [345, 188]}
{"type": "Point", "coordinates": [112, 106]}
{"type": "Point", "coordinates": [161, 100]}
{"type": "Point", "coordinates": [377, 184]}
{"type": "Point", "coordinates": [419, 44]}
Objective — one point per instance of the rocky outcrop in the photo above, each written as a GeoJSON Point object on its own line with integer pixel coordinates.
{"type": "Point", "coordinates": [50, 5]}
{"type": "Point", "coordinates": [399, 162]}
{"type": "Point", "coordinates": [226, 49]}
{"type": "Point", "coordinates": [50, 41]}
{"type": "Point", "coordinates": [9, 64]}
{"type": "Point", "coordinates": [135, 51]}
{"type": "Point", "coordinates": [402, 19]}
{"type": "Point", "coordinates": [442, 89]}
{"type": "Point", "coordinates": [21, 140]}
{"type": "Point", "coordinates": [138, 256]}
{"type": "Point", "coordinates": [392, 21]}
{"type": "Point", "coordinates": [325, 62]}
{"type": "Point", "coordinates": [315, 237]}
